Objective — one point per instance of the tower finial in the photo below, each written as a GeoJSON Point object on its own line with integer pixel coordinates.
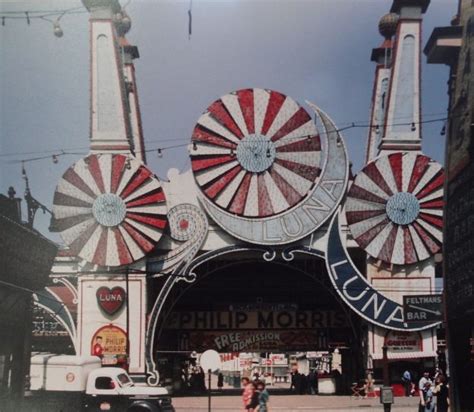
{"type": "Point", "coordinates": [388, 25]}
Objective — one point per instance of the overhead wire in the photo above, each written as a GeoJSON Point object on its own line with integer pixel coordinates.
{"type": "Point", "coordinates": [161, 149]}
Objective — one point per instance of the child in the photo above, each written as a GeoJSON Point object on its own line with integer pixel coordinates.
{"type": "Point", "coordinates": [263, 397]}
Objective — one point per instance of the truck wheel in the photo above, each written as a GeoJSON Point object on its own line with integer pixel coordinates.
{"type": "Point", "coordinates": [143, 407]}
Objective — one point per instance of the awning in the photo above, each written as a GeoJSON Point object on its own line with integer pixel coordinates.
{"type": "Point", "coordinates": [405, 355]}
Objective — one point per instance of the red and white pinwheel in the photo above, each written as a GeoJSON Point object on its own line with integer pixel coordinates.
{"type": "Point", "coordinates": [394, 208]}
{"type": "Point", "coordinates": [110, 209]}
{"type": "Point", "coordinates": [255, 153]}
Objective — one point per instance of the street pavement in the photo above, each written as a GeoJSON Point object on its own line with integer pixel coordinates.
{"type": "Point", "coordinates": [290, 403]}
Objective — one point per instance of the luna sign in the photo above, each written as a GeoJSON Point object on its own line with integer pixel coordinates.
{"type": "Point", "coordinates": [359, 294]}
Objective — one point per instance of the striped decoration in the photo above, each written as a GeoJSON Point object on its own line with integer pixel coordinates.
{"type": "Point", "coordinates": [394, 208]}
{"type": "Point", "coordinates": [255, 153]}
{"type": "Point", "coordinates": [110, 209]}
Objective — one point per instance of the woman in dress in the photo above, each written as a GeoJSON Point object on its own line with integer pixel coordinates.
{"type": "Point", "coordinates": [442, 395]}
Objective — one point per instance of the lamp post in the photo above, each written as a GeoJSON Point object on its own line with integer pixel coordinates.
{"type": "Point", "coordinates": [386, 379]}
{"type": "Point", "coordinates": [127, 300]}
{"type": "Point", "coordinates": [386, 394]}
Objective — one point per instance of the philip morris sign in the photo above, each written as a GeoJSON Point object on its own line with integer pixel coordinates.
{"type": "Point", "coordinates": [258, 319]}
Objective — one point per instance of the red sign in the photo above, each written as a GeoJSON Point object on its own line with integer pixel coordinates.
{"type": "Point", "coordinates": [109, 340]}
{"type": "Point", "coordinates": [110, 300]}
{"type": "Point", "coordinates": [401, 341]}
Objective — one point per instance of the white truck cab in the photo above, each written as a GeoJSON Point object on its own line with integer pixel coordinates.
{"type": "Point", "coordinates": [97, 388]}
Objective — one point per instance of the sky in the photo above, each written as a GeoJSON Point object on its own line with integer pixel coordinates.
{"type": "Point", "coordinates": [316, 50]}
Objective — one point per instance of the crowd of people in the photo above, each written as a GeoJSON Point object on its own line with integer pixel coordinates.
{"type": "Point", "coordinates": [255, 396]}
{"type": "Point", "coordinates": [304, 384]}
{"type": "Point", "coordinates": [433, 393]}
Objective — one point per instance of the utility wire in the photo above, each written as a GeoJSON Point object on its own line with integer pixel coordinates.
{"type": "Point", "coordinates": [161, 149]}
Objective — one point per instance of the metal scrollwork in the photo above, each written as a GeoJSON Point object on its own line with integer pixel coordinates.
{"type": "Point", "coordinates": [187, 224]}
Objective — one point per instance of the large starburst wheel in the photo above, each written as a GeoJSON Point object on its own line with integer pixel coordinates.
{"type": "Point", "coordinates": [109, 209]}
{"type": "Point", "coordinates": [255, 153]}
{"type": "Point", "coordinates": [394, 208]}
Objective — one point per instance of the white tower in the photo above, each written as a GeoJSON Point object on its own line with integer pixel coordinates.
{"type": "Point", "coordinates": [110, 129]}
{"type": "Point", "coordinates": [130, 53]}
{"type": "Point", "coordinates": [402, 235]}
{"type": "Point", "coordinates": [382, 56]}
{"type": "Point", "coordinates": [402, 127]}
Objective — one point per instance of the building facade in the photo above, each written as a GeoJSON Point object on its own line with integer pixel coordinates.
{"type": "Point", "coordinates": [452, 45]}
{"type": "Point", "coordinates": [267, 244]}
{"type": "Point", "coordinates": [26, 259]}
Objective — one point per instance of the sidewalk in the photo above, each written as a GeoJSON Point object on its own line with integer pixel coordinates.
{"type": "Point", "coordinates": [290, 403]}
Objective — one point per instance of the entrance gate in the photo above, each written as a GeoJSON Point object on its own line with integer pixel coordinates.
{"type": "Point", "coordinates": [248, 301]}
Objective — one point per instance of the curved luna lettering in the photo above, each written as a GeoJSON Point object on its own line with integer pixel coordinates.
{"type": "Point", "coordinates": [310, 213]}
{"type": "Point", "coordinates": [354, 289]}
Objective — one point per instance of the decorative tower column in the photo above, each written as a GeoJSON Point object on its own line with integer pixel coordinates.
{"type": "Point", "coordinates": [110, 129]}
{"type": "Point", "coordinates": [394, 206]}
{"type": "Point", "coordinates": [130, 53]}
{"type": "Point", "coordinates": [109, 207]}
{"type": "Point", "coordinates": [402, 129]}
{"type": "Point", "coordinates": [382, 56]}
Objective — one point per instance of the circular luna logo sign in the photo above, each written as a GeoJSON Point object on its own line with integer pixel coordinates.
{"type": "Point", "coordinates": [261, 206]}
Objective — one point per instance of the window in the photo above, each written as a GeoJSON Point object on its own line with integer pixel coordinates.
{"type": "Point", "coordinates": [104, 382]}
{"type": "Point", "coordinates": [124, 379]}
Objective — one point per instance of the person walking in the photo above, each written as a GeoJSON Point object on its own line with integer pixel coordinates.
{"type": "Point", "coordinates": [249, 395]}
{"type": "Point", "coordinates": [312, 382]}
{"type": "Point", "coordinates": [406, 379]}
{"type": "Point", "coordinates": [428, 397]}
{"type": "Point", "coordinates": [263, 397]}
{"type": "Point", "coordinates": [441, 391]}
{"type": "Point", "coordinates": [295, 381]}
{"type": "Point", "coordinates": [220, 381]}
{"type": "Point", "coordinates": [422, 387]}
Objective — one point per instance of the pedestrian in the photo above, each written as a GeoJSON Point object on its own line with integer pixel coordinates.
{"type": "Point", "coordinates": [220, 381]}
{"type": "Point", "coordinates": [202, 379]}
{"type": "Point", "coordinates": [252, 404]}
{"type": "Point", "coordinates": [441, 391]}
{"type": "Point", "coordinates": [247, 392]}
{"type": "Point", "coordinates": [312, 382]}
{"type": "Point", "coordinates": [422, 387]}
{"type": "Point", "coordinates": [428, 397]}
{"type": "Point", "coordinates": [303, 384]}
{"type": "Point", "coordinates": [369, 384]}
{"type": "Point", "coordinates": [295, 380]}
{"type": "Point", "coordinates": [263, 397]}
{"type": "Point", "coordinates": [406, 379]}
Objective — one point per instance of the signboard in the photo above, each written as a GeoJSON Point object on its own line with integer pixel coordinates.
{"type": "Point", "coordinates": [109, 300]}
{"type": "Point", "coordinates": [257, 319]}
{"type": "Point", "coordinates": [108, 341]}
{"type": "Point", "coordinates": [423, 308]}
{"type": "Point", "coordinates": [45, 325]}
{"type": "Point", "coordinates": [403, 342]}
{"type": "Point", "coordinates": [255, 340]}
{"type": "Point", "coordinates": [279, 359]}
{"type": "Point", "coordinates": [358, 293]}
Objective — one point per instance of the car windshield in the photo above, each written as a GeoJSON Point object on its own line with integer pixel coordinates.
{"type": "Point", "coordinates": [124, 380]}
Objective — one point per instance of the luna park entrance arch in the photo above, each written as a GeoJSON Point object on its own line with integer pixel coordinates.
{"type": "Point", "coordinates": [243, 302]}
